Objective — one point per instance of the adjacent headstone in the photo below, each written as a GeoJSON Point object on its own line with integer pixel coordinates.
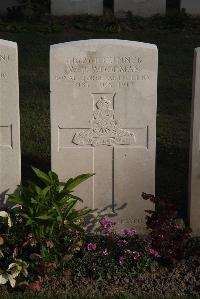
{"type": "Point", "coordinates": [191, 6]}
{"type": "Point", "coordinates": [5, 4]}
{"type": "Point", "coordinates": [103, 121]}
{"type": "Point", "coordinates": [194, 178]}
{"type": "Point", "coordinates": [76, 7]}
{"type": "Point", "coordinates": [143, 8]}
{"type": "Point", "coordinates": [10, 164]}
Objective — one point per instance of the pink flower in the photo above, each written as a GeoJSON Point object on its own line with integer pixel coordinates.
{"type": "Point", "coordinates": [130, 232]}
{"type": "Point", "coordinates": [153, 252]}
{"type": "Point", "coordinates": [136, 255]}
{"type": "Point", "coordinates": [91, 247]}
{"type": "Point", "coordinates": [106, 225]}
{"type": "Point", "coordinates": [105, 252]}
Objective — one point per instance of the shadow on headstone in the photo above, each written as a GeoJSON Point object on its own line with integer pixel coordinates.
{"type": "Point", "coordinates": [91, 220]}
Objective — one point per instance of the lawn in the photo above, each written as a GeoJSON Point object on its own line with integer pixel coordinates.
{"type": "Point", "coordinates": [176, 48]}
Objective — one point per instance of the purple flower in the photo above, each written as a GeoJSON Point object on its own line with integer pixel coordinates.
{"type": "Point", "coordinates": [130, 231]}
{"type": "Point", "coordinates": [153, 252]}
{"type": "Point", "coordinates": [106, 225]}
{"type": "Point", "coordinates": [91, 247]}
{"type": "Point", "coordinates": [136, 255]}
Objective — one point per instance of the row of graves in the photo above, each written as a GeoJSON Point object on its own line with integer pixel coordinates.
{"type": "Point", "coordinates": [144, 8]}
{"type": "Point", "coordinates": [103, 121]}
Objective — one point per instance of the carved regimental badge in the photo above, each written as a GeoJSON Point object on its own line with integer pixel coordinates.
{"type": "Point", "coordinates": [105, 130]}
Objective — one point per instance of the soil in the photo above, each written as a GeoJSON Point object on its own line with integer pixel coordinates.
{"type": "Point", "coordinates": [182, 279]}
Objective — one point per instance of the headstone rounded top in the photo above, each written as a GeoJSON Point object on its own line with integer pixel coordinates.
{"type": "Point", "coordinates": [7, 43]}
{"type": "Point", "coordinates": [106, 42]}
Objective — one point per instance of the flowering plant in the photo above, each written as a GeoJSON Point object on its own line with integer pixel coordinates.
{"type": "Point", "coordinates": [109, 253]}
{"type": "Point", "coordinates": [166, 234]}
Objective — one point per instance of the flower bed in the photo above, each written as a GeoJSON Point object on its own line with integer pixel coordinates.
{"type": "Point", "coordinates": [44, 248]}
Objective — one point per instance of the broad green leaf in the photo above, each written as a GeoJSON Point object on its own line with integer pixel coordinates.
{"type": "Point", "coordinates": [75, 215]}
{"type": "Point", "coordinates": [44, 217]}
{"type": "Point", "coordinates": [33, 201]}
{"type": "Point", "coordinates": [54, 178]}
{"type": "Point", "coordinates": [43, 176]}
{"type": "Point", "coordinates": [60, 218]}
{"type": "Point", "coordinates": [74, 226]}
{"type": "Point", "coordinates": [24, 216]}
{"type": "Point", "coordinates": [38, 189]}
{"type": "Point", "coordinates": [45, 191]}
{"type": "Point", "coordinates": [69, 208]}
{"type": "Point", "coordinates": [74, 182]}
{"type": "Point", "coordinates": [76, 197]}
{"type": "Point", "coordinates": [16, 199]}
{"type": "Point", "coordinates": [29, 222]}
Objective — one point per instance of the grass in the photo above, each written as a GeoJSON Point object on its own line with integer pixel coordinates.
{"type": "Point", "coordinates": [174, 97]}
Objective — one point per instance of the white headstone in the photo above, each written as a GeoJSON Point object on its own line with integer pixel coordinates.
{"type": "Point", "coordinates": [194, 178]}
{"type": "Point", "coordinates": [76, 7]}
{"type": "Point", "coordinates": [143, 8]}
{"type": "Point", "coordinates": [103, 121]}
{"type": "Point", "coordinates": [10, 156]}
{"type": "Point", "coordinates": [191, 6]}
{"type": "Point", "coordinates": [5, 4]}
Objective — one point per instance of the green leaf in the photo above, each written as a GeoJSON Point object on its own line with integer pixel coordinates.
{"type": "Point", "coordinates": [33, 201]}
{"type": "Point", "coordinates": [45, 217]}
{"type": "Point", "coordinates": [74, 182]}
{"type": "Point", "coordinates": [29, 222]}
{"type": "Point", "coordinates": [43, 176]}
{"type": "Point", "coordinates": [76, 197]}
{"type": "Point", "coordinates": [70, 206]}
{"type": "Point", "coordinates": [60, 218]}
{"type": "Point", "coordinates": [38, 189]}
{"type": "Point", "coordinates": [75, 215]}
{"type": "Point", "coordinates": [16, 199]}
{"type": "Point", "coordinates": [45, 191]}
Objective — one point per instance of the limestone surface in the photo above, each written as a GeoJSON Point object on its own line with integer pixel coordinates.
{"type": "Point", "coordinates": [191, 6]}
{"type": "Point", "coordinates": [103, 121]}
{"type": "Point", "coordinates": [143, 8]}
{"type": "Point", "coordinates": [194, 178]}
{"type": "Point", "coordinates": [10, 155]}
{"type": "Point", "coordinates": [76, 7]}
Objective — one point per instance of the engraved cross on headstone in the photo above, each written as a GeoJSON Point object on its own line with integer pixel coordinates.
{"type": "Point", "coordinates": [104, 137]}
